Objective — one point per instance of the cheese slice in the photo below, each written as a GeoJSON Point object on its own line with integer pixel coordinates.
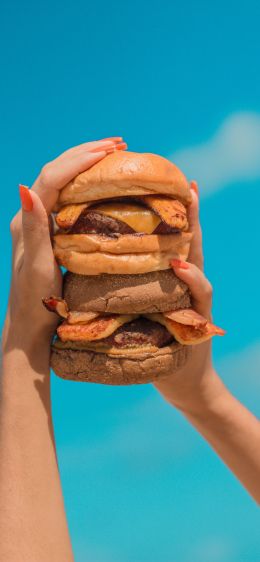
{"type": "Point", "coordinates": [141, 219]}
{"type": "Point", "coordinates": [100, 347]}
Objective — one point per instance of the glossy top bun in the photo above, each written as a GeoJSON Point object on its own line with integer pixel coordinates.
{"type": "Point", "coordinates": [127, 174]}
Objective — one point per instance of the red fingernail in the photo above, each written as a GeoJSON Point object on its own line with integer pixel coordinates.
{"type": "Point", "coordinates": [179, 264]}
{"type": "Point", "coordinates": [119, 146]}
{"type": "Point", "coordinates": [26, 198]}
{"type": "Point", "coordinates": [194, 186]}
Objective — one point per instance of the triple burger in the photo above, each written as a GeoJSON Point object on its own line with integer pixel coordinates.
{"type": "Point", "coordinates": [126, 317]}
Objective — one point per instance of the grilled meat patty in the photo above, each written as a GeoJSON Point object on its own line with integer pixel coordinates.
{"type": "Point", "coordinates": [93, 222]}
{"type": "Point", "coordinates": [139, 332]}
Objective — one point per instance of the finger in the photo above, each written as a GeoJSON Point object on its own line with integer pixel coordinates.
{"type": "Point", "coordinates": [200, 287]}
{"type": "Point", "coordinates": [55, 175]}
{"type": "Point", "coordinates": [35, 230]}
{"type": "Point", "coordinates": [196, 251]}
{"type": "Point", "coordinates": [92, 146]}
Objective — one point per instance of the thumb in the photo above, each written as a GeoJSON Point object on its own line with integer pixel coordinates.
{"type": "Point", "coordinates": [35, 226]}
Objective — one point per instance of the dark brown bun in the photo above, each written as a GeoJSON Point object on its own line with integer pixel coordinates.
{"type": "Point", "coordinates": [159, 291]}
{"type": "Point", "coordinates": [127, 174]}
{"type": "Point", "coordinates": [89, 366]}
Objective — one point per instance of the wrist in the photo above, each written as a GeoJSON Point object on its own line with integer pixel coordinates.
{"type": "Point", "coordinates": [193, 396]}
{"type": "Point", "coordinates": [26, 341]}
{"type": "Point", "coordinates": [206, 400]}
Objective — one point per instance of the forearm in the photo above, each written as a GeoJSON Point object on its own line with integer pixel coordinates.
{"type": "Point", "coordinates": [32, 518]}
{"type": "Point", "coordinates": [232, 431]}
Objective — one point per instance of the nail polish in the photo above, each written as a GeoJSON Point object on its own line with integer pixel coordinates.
{"type": "Point", "coordinates": [26, 198]}
{"type": "Point", "coordinates": [194, 186]}
{"type": "Point", "coordinates": [179, 264]}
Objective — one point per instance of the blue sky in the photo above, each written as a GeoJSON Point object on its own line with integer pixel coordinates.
{"type": "Point", "coordinates": [181, 80]}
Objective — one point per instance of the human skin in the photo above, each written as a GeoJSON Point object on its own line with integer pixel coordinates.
{"type": "Point", "coordinates": [32, 517]}
{"type": "Point", "coordinates": [197, 390]}
{"type": "Point", "coordinates": [33, 525]}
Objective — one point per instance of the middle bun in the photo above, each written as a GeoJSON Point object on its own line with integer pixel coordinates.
{"type": "Point", "coordinates": [158, 291]}
{"type": "Point", "coordinates": [178, 243]}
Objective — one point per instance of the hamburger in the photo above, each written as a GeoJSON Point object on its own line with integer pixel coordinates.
{"type": "Point", "coordinates": [125, 215]}
{"type": "Point", "coordinates": [125, 317]}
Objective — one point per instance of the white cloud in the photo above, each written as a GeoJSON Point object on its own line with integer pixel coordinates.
{"type": "Point", "coordinates": [232, 154]}
{"type": "Point", "coordinates": [215, 549]}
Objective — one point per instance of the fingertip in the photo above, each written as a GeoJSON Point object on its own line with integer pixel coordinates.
{"type": "Point", "coordinates": [180, 269]}
{"type": "Point", "coordinates": [179, 264]}
{"type": "Point", "coordinates": [194, 187]}
{"type": "Point", "coordinates": [26, 198]}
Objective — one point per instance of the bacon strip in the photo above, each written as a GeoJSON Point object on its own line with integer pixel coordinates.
{"type": "Point", "coordinates": [96, 329]}
{"type": "Point", "coordinates": [187, 316]}
{"type": "Point", "coordinates": [190, 331]}
{"type": "Point", "coordinates": [171, 211]}
{"type": "Point", "coordinates": [77, 317]}
{"type": "Point", "coordinates": [192, 335]}
{"type": "Point", "coordinates": [56, 304]}
{"type": "Point", "coordinates": [68, 215]}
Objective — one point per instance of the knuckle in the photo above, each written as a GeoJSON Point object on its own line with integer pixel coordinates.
{"type": "Point", "coordinates": [208, 290]}
{"type": "Point", "coordinates": [46, 175]}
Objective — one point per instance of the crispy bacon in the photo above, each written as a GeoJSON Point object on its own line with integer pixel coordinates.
{"type": "Point", "coordinates": [187, 316]}
{"type": "Point", "coordinates": [77, 317]}
{"type": "Point", "coordinates": [171, 211]}
{"type": "Point", "coordinates": [56, 304]}
{"type": "Point", "coordinates": [188, 334]}
{"type": "Point", "coordinates": [192, 335]}
{"type": "Point", "coordinates": [96, 329]}
{"type": "Point", "coordinates": [68, 215]}
{"type": "Point", "coordinates": [186, 325]}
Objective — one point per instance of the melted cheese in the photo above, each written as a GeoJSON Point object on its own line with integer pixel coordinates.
{"type": "Point", "coordinates": [141, 219]}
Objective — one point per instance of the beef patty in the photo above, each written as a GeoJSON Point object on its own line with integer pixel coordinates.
{"type": "Point", "coordinates": [139, 332]}
{"type": "Point", "coordinates": [93, 222]}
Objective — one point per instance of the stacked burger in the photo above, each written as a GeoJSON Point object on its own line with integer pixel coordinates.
{"type": "Point", "coordinates": [126, 318]}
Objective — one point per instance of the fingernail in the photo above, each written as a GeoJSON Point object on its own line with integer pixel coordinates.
{"type": "Point", "coordinates": [26, 198]}
{"type": "Point", "coordinates": [119, 146]}
{"type": "Point", "coordinates": [179, 264]}
{"type": "Point", "coordinates": [195, 187]}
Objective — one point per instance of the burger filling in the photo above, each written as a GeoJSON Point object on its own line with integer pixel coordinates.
{"type": "Point", "coordinates": [139, 332]}
{"type": "Point", "coordinates": [109, 333]}
{"type": "Point", "coordinates": [151, 214]}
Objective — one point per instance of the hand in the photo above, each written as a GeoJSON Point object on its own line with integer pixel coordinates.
{"type": "Point", "coordinates": [35, 272]}
{"type": "Point", "coordinates": [193, 386]}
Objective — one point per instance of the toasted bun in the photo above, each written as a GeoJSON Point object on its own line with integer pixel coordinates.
{"type": "Point", "coordinates": [178, 243]}
{"type": "Point", "coordinates": [127, 174]}
{"type": "Point", "coordinates": [126, 294]}
{"type": "Point", "coordinates": [97, 263]}
{"type": "Point", "coordinates": [124, 369]}
{"type": "Point", "coordinates": [87, 254]}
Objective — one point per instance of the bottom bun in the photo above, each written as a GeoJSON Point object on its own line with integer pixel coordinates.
{"type": "Point", "coordinates": [89, 366]}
